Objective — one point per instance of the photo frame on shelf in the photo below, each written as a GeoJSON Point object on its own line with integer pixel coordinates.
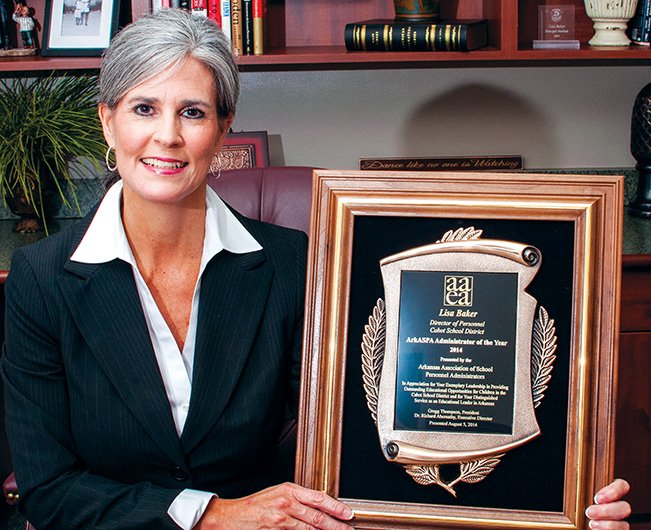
{"type": "Point", "coordinates": [245, 150]}
{"type": "Point", "coordinates": [353, 381]}
{"type": "Point", "coordinates": [79, 29]}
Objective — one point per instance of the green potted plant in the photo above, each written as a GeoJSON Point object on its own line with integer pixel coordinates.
{"type": "Point", "coordinates": [45, 125]}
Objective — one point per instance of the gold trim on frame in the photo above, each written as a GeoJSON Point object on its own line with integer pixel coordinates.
{"type": "Point", "coordinates": [593, 204]}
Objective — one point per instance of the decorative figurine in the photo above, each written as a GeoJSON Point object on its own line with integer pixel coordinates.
{"type": "Point", "coordinates": [6, 27]}
{"type": "Point", "coordinates": [26, 23]}
{"type": "Point", "coordinates": [641, 151]}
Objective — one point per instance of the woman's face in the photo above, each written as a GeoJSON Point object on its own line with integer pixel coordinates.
{"type": "Point", "coordinates": [165, 133]}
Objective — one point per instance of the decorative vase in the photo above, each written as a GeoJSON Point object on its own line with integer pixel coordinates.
{"type": "Point", "coordinates": [416, 10]}
{"type": "Point", "coordinates": [610, 18]}
{"type": "Point", "coordinates": [641, 151]}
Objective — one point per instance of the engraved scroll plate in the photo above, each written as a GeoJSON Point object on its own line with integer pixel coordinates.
{"type": "Point", "coordinates": [456, 367]}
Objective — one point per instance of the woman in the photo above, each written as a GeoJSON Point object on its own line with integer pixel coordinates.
{"type": "Point", "coordinates": [85, 11]}
{"type": "Point", "coordinates": [153, 350]}
{"type": "Point", "coordinates": [78, 7]}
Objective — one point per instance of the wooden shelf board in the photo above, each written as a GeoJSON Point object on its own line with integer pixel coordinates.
{"type": "Point", "coordinates": [324, 56]}
{"type": "Point", "coordinates": [327, 56]}
{"type": "Point", "coordinates": [38, 63]}
{"type": "Point", "coordinates": [632, 52]}
{"type": "Point", "coordinates": [338, 55]}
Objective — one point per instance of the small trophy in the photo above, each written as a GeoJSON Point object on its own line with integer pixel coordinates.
{"type": "Point", "coordinates": [555, 28]}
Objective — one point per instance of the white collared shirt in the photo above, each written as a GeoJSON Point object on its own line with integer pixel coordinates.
{"type": "Point", "coordinates": [106, 240]}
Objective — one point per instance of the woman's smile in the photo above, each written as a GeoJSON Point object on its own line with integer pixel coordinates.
{"type": "Point", "coordinates": [164, 166]}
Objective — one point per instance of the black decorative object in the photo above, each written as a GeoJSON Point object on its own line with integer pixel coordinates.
{"type": "Point", "coordinates": [641, 151]}
{"type": "Point", "coordinates": [6, 23]}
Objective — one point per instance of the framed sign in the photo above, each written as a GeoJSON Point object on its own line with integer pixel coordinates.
{"type": "Point", "coordinates": [79, 27]}
{"type": "Point", "coordinates": [244, 150]}
{"type": "Point", "coordinates": [460, 346]}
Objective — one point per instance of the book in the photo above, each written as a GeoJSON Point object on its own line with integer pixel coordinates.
{"type": "Point", "coordinates": [138, 8]}
{"type": "Point", "coordinates": [247, 27]}
{"type": "Point", "coordinates": [199, 8]}
{"type": "Point", "coordinates": [215, 11]}
{"type": "Point", "coordinates": [389, 35]}
{"type": "Point", "coordinates": [258, 27]}
{"type": "Point", "coordinates": [639, 27]}
{"type": "Point", "coordinates": [225, 8]}
{"type": "Point", "coordinates": [236, 27]}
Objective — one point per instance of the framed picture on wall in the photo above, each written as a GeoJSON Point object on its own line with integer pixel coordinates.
{"type": "Point", "coordinates": [460, 350]}
{"type": "Point", "coordinates": [245, 150]}
{"type": "Point", "coordinates": [79, 27]}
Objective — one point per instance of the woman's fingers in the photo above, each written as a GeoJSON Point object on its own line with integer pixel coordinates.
{"type": "Point", "coordinates": [321, 502]}
{"type": "Point", "coordinates": [609, 510]}
{"type": "Point", "coordinates": [612, 492]}
{"type": "Point", "coordinates": [609, 525]}
{"type": "Point", "coordinates": [286, 506]}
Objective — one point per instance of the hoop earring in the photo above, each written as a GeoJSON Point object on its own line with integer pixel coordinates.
{"type": "Point", "coordinates": [215, 165]}
{"type": "Point", "coordinates": [108, 162]}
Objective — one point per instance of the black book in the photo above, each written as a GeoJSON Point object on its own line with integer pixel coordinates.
{"type": "Point", "coordinates": [247, 27]}
{"type": "Point", "coordinates": [639, 27]}
{"type": "Point", "coordinates": [390, 35]}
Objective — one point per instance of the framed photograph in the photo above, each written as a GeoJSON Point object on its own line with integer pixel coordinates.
{"type": "Point", "coordinates": [460, 350]}
{"type": "Point", "coordinates": [245, 149]}
{"type": "Point", "coordinates": [79, 27]}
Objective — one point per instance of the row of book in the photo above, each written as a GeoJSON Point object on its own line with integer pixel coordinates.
{"type": "Point", "coordinates": [639, 27]}
{"type": "Point", "coordinates": [391, 35]}
{"type": "Point", "coordinates": [241, 20]}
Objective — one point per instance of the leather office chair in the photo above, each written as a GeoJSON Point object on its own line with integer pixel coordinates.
{"type": "Point", "coordinates": [277, 195]}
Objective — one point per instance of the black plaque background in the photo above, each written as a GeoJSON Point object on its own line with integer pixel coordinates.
{"type": "Point", "coordinates": [421, 299]}
{"type": "Point", "coordinates": [530, 477]}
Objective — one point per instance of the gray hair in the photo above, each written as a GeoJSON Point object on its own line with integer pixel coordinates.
{"type": "Point", "coordinates": [162, 40]}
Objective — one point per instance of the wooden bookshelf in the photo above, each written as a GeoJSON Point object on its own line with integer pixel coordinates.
{"type": "Point", "coordinates": [304, 35]}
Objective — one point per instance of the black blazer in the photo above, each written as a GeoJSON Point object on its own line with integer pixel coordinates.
{"type": "Point", "coordinates": [91, 433]}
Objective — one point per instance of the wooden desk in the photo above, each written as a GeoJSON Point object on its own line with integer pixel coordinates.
{"type": "Point", "coordinates": [633, 423]}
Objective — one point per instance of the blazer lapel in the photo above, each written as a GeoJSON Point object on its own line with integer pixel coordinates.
{"type": "Point", "coordinates": [234, 291]}
{"type": "Point", "coordinates": [104, 302]}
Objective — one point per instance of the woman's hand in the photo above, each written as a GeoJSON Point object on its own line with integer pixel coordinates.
{"type": "Point", "coordinates": [284, 506]}
{"type": "Point", "coordinates": [609, 510]}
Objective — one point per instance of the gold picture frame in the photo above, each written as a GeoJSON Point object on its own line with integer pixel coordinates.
{"type": "Point", "coordinates": [242, 150]}
{"type": "Point", "coordinates": [359, 216]}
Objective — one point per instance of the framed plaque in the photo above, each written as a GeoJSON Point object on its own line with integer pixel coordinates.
{"type": "Point", "coordinates": [244, 150]}
{"type": "Point", "coordinates": [460, 346]}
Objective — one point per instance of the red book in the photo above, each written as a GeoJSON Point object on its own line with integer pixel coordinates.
{"type": "Point", "coordinates": [199, 8]}
{"type": "Point", "coordinates": [214, 11]}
